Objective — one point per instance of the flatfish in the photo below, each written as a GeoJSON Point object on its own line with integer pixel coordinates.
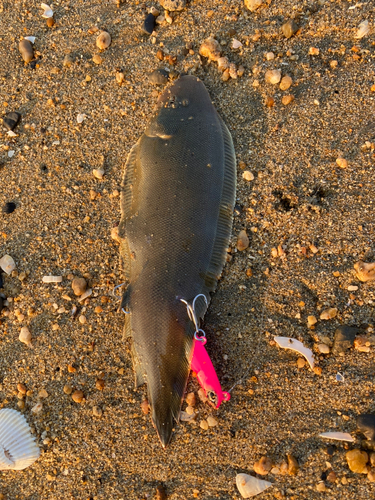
{"type": "Point", "coordinates": [177, 200]}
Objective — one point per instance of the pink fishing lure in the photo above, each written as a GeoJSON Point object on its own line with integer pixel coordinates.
{"type": "Point", "coordinates": [202, 365]}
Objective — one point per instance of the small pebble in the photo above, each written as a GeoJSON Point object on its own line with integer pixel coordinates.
{"type": "Point", "coordinates": [43, 394]}
{"type": "Point", "coordinates": [242, 241]}
{"type": "Point", "coordinates": [173, 5]}
{"type": "Point", "coordinates": [222, 63]}
{"type": "Point", "coordinates": [26, 49]}
{"type": "Point", "coordinates": [68, 61]}
{"type": "Point", "coordinates": [120, 77]}
{"type": "Point", "coordinates": [357, 460]}
{"type": "Point", "coordinates": [204, 425]}
{"type": "Point", "coordinates": [25, 336]}
{"type": "Point", "coordinates": [50, 22]}
{"type": "Point", "coordinates": [371, 475]}
{"type": "Point", "coordinates": [77, 396]}
{"type": "Point", "coordinates": [191, 399]}
{"type": "Point", "coordinates": [311, 320]}
{"type": "Point", "coordinates": [252, 5]}
{"type": "Point", "coordinates": [289, 28]}
{"type": "Point", "coordinates": [10, 120]}
{"type": "Point", "coordinates": [273, 76]}
{"type": "Point", "coordinates": [97, 59]}
{"type": "Point", "coordinates": [145, 407]}
{"type": "Point", "coordinates": [286, 82]}
{"type": "Point", "coordinates": [301, 362]}
{"type": "Point", "coordinates": [189, 410]}
{"type": "Point", "coordinates": [323, 348]}
{"type": "Point", "coordinates": [332, 477]}
{"type": "Point", "coordinates": [313, 51]}
{"type": "Point", "coordinates": [96, 411]}
{"type": "Point", "coordinates": [67, 389]}
{"type": "Point", "coordinates": [329, 313]}
{"type": "Point", "coordinates": [210, 48]}
{"type": "Point", "coordinates": [82, 319]}
{"type": "Point", "coordinates": [293, 466]}
{"type": "Point", "coordinates": [269, 102]}
{"type": "Point", "coordinates": [366, 425]}
{"type": "Point", "coordinates": [287, 99]}
{"type": "Point", "coordinates": [9, 207]}
{"type": "Point", "coordinates": [79, 286]}
{"type": "Point", "coordinates": [160, 493]}
{"type": "Point", "coordinates": [321, 487]}
{"type": "Point", "coordinates": [100, 384]}
{"type": "Point", "coordinates": [104, 40]}
{"type": "Point", "coordinates": [21, 388]}
{"type": "Point", "coordinates": [37, 408]}
{"type": "Point", "coordinates": [341, 162]}
{"type": "Point", "coordinates": [247, 175]}
{"type": "Point", "coordinates": [148, 25]}
{"type": "Point", "coordinates": [363, 29]}
{"type": "Point", "coordinates": [263, 466]}
{"type": "Point", "coordinates": [154, 11]}
{"type": "Point", "coordinates": [168, 17]}
{"type": "Point", "coordinates": [270, 56]}
{"type": "Point", "coordinates": [212, 422]}
{"type": "Point", "coordinates": [158, 77]}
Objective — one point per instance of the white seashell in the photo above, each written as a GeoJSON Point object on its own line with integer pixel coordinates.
{"type": "Point", "coordinates": [48, 12]}
{"type": "Point", "coordinates": [249, 486]}
{"type": "Point", "coordinates": [236, 44]}
{"type": "Point", "coordinates": [17, 445]}
{"type": "Point", "coordinates": [30, 38]}
{"type": "Point", "coordinates": [7, 264]}
{"type": "Point", "coordinates": [52, 279]}
{"type": "Point", "coordinates": [338, 436]}
{"type": "Point", "coordinates": [81, 117]}
{"type": "Point", "coordinates": [11, 133]}
{"type": "Point", "coordinates": [37, 408]}
{"type": "Point", "coordinates": [11, 153]}
{"type": "Point", "coordinates": [296, 345]}
{"type": "Point", "coordinates": [25, 336]}
{"type": "Point", "coordinates": [98, 173]}
{"type": "Point", "coordinates": [363, 30]}
{"type": "Point", "coordinates": [84, 296]}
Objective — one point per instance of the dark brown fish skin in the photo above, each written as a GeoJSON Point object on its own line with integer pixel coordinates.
{"type": "Point", "coordinates": [177, 202]}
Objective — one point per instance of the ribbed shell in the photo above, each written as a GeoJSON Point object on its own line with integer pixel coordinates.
{"type": "Point", "coordinates": [17, 446]}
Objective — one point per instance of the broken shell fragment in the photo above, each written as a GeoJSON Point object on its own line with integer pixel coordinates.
{"type": "Point", "coordinates": [17, 445]}
{"type": "Point", "coordinates": [337, 436]}
{"type": "Point", "coordinates": [242, 241]}
{"type": "Point", "coordinates": [7, 264]}
{"type": "Point", "coordinates": [48, 12]}
{"type": "Point", "coordinates": [365, 271]}
{"type": "Point", "coordinates": [104, 40]}
{"type": "Point", "coordinates": [363, 30]}
{"type": "Point", "coordinates": [249, 486]}
{"type": "Point", "coordinates": [26, 50]}
{"type": "Point", "coordinates": [296, 345]}
{"type": "Point", "coordinates": [52, 279]}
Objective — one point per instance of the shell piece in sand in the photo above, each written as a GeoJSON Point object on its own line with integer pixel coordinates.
{"type": "Point", "coordinates": [48, 12]}
{"type": "Point", "coordinates": [249, 486]}
{"type": "Point", "coordinates": [17, 445]}
{"type": "Point", "coordinates": [7, 264]}
{"type": "Point", "coordinates": [365, 270]}
{"type": "Point", "coordinates": [338, 436]}
{"type": "Point", "coordinates": [296, 345]}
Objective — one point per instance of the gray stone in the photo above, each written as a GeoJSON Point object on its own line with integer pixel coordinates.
{"type": "Point", "coordinates": [344, 338]}
{"type": "Point", "coordinates": [158, 77]}
{"type": "Point", "coordinates": [366, 425]}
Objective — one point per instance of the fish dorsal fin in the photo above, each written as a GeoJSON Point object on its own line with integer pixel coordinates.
{"type": "Point", "coordinates": [224, 225]}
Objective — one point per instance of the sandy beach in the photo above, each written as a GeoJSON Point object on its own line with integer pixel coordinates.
{"type": "Point", "coordinates": [305, 197]}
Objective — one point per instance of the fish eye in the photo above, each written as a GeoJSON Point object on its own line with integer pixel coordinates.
{"type": "Point", "coordinates": [212, 397]}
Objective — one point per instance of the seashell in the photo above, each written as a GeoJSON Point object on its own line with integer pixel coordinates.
{"type": "Point", "coordinates": [11, 133]}
{"type": "Point", "coordinates": [98, 173]}
{"type": "Point", "coordinates": [7, 264]}
{"type": "Point", "coordinates": [104, 40]}
{"type": "Point", "coordinates": [242, 241]}
{"type": "Point", "coordinates": [52, 279]}
{"type": "Point", "coordinates": [31, 39]}
{"type": "Point", "coordinates": [17, 445]}
{"type": "Point", "coordinates": [236, 44]}
{"type": "Point", "coordinates": [25, 336]}
{"type": "Point", "coordinates": [48, 12]}
{"type": "Point", "coordinates": [296, 345]}
{"type": "Point", "coordinates": [249, 486]}
{"type": "Point", "coordinates": [338, 436]}
{"type": "Point", "coordinates": [363, 30]}
{"type": "Point", "coordinates": [84, 296]}
{"type": "Point", "coordinates": [26, 49]}
{"type": "Point", "coordinates": [365, 271]}
{"type": "Point", "coordinates": [81, 117]}
{"type": "Point", "coordinates": [37, 408]}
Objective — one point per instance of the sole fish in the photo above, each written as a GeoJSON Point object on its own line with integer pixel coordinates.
{"type": "Point", "coordinates": [177, 202]}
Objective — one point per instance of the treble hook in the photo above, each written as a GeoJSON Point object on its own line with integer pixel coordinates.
{"type": "Point", "coordinates": [192, 316]}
